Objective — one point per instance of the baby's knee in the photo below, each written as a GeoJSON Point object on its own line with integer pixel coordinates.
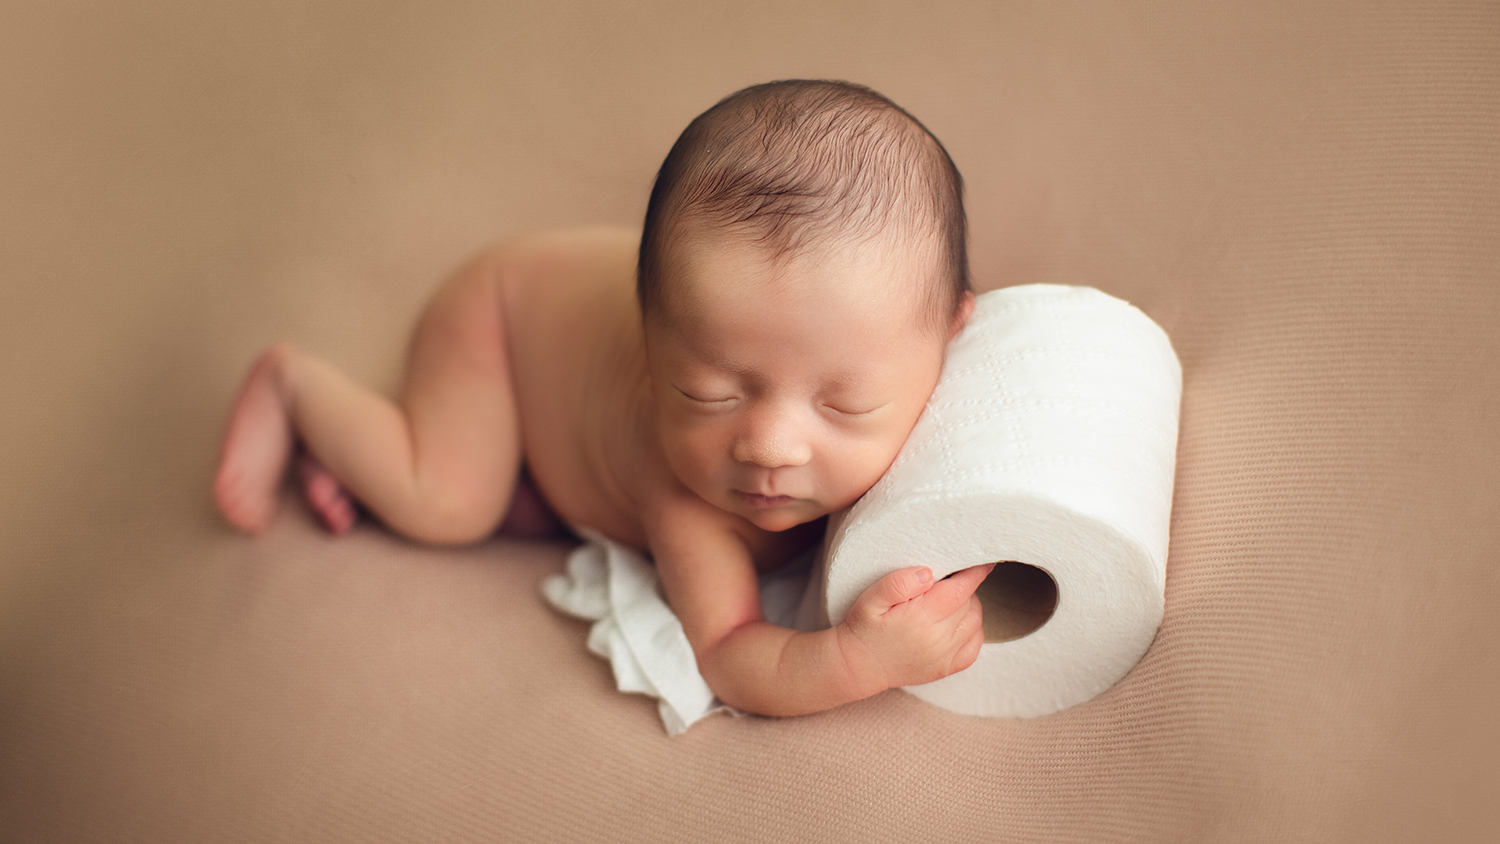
{"type": "Point", "coordinates": [290, 367]}
{"type": "Point", "coordinates": [273, 365]}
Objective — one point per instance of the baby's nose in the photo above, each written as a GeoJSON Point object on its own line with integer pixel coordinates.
{"type": "Point", "coordinates": [772, 443]}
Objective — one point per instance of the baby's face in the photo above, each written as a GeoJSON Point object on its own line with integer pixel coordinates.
{"type": "Point", "coordinates": [784, 389]}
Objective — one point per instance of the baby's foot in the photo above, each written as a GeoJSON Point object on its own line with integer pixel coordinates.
{"type": "Point", "coordinates": [326, 496]}
{"type": "Point", "coordinates": [256, 448]}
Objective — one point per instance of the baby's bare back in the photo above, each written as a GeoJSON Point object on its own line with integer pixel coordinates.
{"type": "Point", "coordinates": [578, 367]}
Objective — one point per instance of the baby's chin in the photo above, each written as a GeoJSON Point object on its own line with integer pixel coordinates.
{"type": "Point", "coordinates": [783, 518]}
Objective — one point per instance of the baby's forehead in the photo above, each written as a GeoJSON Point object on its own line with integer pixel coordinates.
{"type": "Point", "coordinates": [727, 270]}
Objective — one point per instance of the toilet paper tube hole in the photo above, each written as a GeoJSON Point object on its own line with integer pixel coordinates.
{"type": "Point", "coordinates": [1017, 600]}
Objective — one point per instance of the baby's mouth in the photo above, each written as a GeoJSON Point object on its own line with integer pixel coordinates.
{"type": "Point", "coordinates": [763, 502]}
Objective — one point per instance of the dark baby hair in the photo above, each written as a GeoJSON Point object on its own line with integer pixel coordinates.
{"type": "Point", "coordinates": [797, 162]}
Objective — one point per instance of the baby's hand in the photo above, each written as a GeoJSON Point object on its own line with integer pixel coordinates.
{"type": "Point", "coordinates": [913, 630]}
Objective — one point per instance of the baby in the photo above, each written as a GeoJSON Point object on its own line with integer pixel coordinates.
{"type": "Point", "coordinates": [707, 391]}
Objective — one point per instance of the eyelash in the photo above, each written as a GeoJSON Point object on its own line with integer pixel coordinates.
{"type": "Point", "coordinates": [843, 412]}
{"type": "Point", "coordinates": [710, 402]}
{"type": "Point", "coordinates": [693, 398]}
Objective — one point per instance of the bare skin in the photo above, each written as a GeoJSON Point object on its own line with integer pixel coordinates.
{"type": "Point", "coordinates": [440, 463]}
{"type": "Point", "coordinates": [534, 354]}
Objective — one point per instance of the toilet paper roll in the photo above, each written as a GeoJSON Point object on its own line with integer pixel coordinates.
{"type": "Point", "coordinates": [1048, 445]}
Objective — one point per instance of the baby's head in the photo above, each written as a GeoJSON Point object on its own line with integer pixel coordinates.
{"type": "Point", "coordinates": [799, 165]}
{"type": "Point", "coordinates": [802, 268]}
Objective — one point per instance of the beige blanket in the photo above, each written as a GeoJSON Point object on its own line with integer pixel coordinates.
{"type": "Point", "coordinates": [1306, 196]}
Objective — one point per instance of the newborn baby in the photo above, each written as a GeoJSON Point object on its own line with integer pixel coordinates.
{"type": "Point", "coordinates": [707, 391]}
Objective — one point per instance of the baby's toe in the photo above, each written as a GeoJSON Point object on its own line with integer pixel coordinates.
{"type": "Point", "coordinates": [340, 516]}
{"type": "Point", "coordinates": [326, 496]}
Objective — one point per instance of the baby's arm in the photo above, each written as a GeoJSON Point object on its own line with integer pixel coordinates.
{"type": "Point", "coordinates": [904, 629]}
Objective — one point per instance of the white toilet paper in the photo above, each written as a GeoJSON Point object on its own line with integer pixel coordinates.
{"type": "Point", "coordinates": [1050, 441]}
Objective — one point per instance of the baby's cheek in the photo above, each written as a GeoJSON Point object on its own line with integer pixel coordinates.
{"type": "Point", "coordinates": [697, 448]}
{"type": "Point", "coordinates": [853, 468]}
{"type": "Point", "coordinates": [876, 456]}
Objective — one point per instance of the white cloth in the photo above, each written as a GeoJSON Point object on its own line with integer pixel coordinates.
{"type": "Point", "coordinates": [615, 587]}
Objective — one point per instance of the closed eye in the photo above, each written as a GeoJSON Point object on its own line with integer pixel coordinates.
{"type": "Point", "coordinates": [846, 411]}
{"type": "Point", "coordinates": [711, 400]}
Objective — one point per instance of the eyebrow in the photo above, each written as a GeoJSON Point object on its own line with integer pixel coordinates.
{"type": "Point", "coordinates": [837, 383]}
{"type": "Point", "coordinates": [707, 352]}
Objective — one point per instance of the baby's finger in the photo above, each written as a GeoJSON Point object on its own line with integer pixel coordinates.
{"type": "Point", "coordinates": [953, 591]}
{"type": "Point", "coordinates": [899, 586]}
{"type": "Point", "coordinates": [968, 652]}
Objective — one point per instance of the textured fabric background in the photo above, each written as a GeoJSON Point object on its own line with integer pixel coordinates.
{"type": "Point", "coordinates": [1307, 196]}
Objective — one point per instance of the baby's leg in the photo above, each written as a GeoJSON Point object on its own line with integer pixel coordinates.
{"type": "Point", "coordinates": [528, 517]}
{"type": "Point", "coordinates": [438, 465]}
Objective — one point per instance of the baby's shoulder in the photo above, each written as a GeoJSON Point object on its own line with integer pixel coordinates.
{"type": "Point", "coordinates": [586, 275]}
